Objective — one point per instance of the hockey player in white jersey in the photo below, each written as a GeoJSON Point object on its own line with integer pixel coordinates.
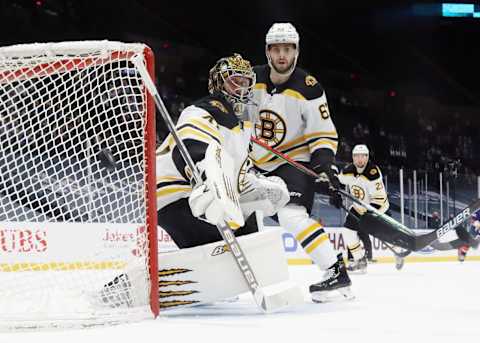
{"type": "Point", "coordinates": [190, 215]}
{"type": "Point", "coordinates": [218, 143]}
{"type": "Point", "coordinates": [291, 115]}
{"type": "Point", "coordinates": [364, 181]}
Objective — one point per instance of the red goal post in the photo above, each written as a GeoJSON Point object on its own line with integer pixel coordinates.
{"type": "Point", "coordinates": [77, 186]}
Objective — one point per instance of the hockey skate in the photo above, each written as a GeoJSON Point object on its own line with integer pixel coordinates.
{"type": "Point", "coordinates": [336, 279]}
{"type": "Point", "coordinates": [358, 267]}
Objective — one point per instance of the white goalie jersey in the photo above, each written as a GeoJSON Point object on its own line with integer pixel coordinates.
{"type": "Point", "coordinates": [209, 119]}
{"type": "Point", "coordinates": [292, 118]}
{"type": "Point", "coordinates": [367, 186]}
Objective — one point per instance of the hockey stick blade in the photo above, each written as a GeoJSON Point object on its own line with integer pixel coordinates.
{"type": "Point", "coordinates": [280, 296]}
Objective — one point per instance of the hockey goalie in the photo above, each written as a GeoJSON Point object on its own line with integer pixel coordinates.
{"type": "Point", "coordinates": [190, 210]}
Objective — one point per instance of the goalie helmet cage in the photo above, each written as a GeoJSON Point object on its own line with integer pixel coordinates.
{"type": "Point", "coordinates": [78, 240]}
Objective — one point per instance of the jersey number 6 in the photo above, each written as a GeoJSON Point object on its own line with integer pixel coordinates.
{"type": "Point", "coordinates": [323, 108]}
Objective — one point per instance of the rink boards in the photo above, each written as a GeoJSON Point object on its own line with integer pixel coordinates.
{"type": "Point", "coordinates": [57, 246]}
{"type": "Point", "coordinates": [296, 255]}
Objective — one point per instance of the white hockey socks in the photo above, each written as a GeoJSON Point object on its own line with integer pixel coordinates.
{"type": "Point", "coordinates": [354, 244]}
{"type": "Point", "coordinates": [309, 233]}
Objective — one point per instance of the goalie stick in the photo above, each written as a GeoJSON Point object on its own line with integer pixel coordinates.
{"type": "Point", "coordinates": [402, 235]}
{"type": "Point", "coordinates": [268, 303]}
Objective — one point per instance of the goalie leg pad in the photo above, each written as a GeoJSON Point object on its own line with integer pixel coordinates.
{"type": "Point", "coordinates": [208, 273]}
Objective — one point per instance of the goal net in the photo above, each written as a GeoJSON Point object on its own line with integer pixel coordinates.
{"type": "Point", "coordinates": [78, 242]}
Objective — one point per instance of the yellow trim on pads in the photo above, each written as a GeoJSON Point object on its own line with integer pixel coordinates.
{"type": "Point", "coordinates": [322, 238]}
{"type": "Point", "coordinates": [307, 231]}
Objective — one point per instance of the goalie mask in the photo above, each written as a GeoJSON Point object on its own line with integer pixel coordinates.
{"type": "Point", "coordinates": [233, 77]}
{"type": "Point", "coordinates": [282, 33]}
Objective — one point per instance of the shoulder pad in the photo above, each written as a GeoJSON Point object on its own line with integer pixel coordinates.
{"type": "Point", "coordinates": [219, 109]}
{"type": "Point", "coordinates": [372, 172]}
{"type": "Point", "coordinates": [305, 84]}
{"type": "Point", "coordinates": [349, 169]}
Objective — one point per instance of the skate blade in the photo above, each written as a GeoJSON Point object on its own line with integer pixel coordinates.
{"type": "Point", "coordinates": [336, 295]}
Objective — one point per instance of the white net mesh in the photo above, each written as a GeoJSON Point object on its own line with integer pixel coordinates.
{"type": "Point", "coordinates": [74, 229]}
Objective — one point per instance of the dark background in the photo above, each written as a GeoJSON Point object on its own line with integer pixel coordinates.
{"type": "Point", "coordinates": [398, 76]}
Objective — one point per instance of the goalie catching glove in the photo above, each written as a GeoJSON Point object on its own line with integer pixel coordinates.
{"type": "Point", "coordinates": [266, 194]}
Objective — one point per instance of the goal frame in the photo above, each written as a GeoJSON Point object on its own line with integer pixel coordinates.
{"type": "Point", "coordinates": [150, 128]}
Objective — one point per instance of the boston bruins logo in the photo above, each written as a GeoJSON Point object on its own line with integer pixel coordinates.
{"type": "Point", "coordinates": [357, 192]}
{"type": "Point", "coordinates": [270, 128]}
{"type": "Point", "coordinates": [242, 182]}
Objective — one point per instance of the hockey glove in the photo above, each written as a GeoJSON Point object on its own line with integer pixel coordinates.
{"type": "Point", "coordinates": [266, 194]}
{"type": "Point", "coordinates": [328, 182]}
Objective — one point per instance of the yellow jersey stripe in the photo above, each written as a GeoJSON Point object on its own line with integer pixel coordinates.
{"type": "Point", "coordinates": [169, 190]}
{"type": "Point", "coordinates": [169, 178]}
{"type": "Point", "coordinates": [189, 132]}
{"type": "Point", "coordinates": [206, 127]}
{"type": "Point", "coordinates": [324, 142]}
{"type": "Point", "coordinates": [307, 231]}
{"type": "Point", "coordinates": [322, 238]}
{"type": "Point", "coordinates": [293, 94]}
{"type": "Point", "coordinates": [294, 152]}
{"type": "Point", "coordinates": [260, 86]}
{"type": "Point", "coordinates": [304, 138]}
{"type": "Point", "coordinates": [291, 154]}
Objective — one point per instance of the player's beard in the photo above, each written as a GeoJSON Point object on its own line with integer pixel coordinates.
{"type": "Point", "coordinates": [284, 70]}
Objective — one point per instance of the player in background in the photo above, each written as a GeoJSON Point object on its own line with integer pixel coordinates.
{"type": "Point", "coordinates": [291, 114]}
{"type": "Point", "coordinates": [189, 215]}
{"type": "Point", "coordinates": [364, 181]}
{"type": "Point", "coordinates": [470, 236]}
{"type": "Point", "coordinates": [467, 236]}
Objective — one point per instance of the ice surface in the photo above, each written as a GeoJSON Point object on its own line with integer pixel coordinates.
{"type": "Point", "coordinates": [430, 302]}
